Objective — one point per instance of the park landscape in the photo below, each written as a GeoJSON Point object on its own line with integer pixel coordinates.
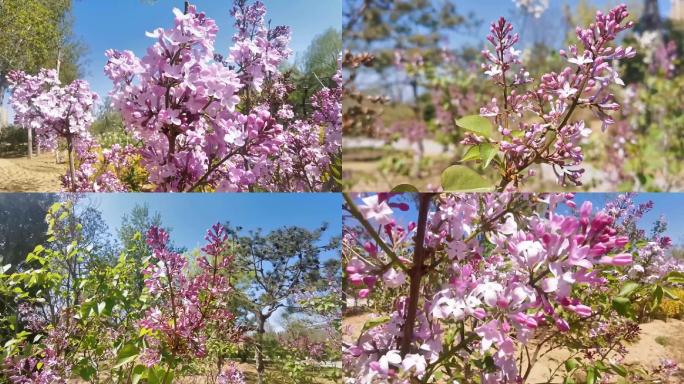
{"type": "Point", "coordinates": [190, 114]}
{"type": "Point", "coordinates": [461, 140]}
{"type": "Point", "coordinates": [529, 95]}
{"type": "Point", "coordinates": [86, 302]}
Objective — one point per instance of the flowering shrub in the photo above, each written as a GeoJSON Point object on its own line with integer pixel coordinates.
{"type": "Point", "coordinates": [41, 103]}
{"type": "Point", "coordinates": [484, 285]}
{"type": "Point", "coordinates": [223, 124]}
{"type": "Point", "coordinates": [552, 136]}
{"type": "Point", "coordinates": [152, 313]}
{"type": "Point", "coordinates": [77, 321]}
{"type": "Point", "coordinates": [649, 126]}
{"type": "Point", "coordinates": [203, 122]}
{"type": "Point", "coordinates": [185, 307]}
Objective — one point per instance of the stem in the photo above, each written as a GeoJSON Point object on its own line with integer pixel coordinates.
{"type": "Point", "coordinates": [354, 210]}
{"type": "Point", "coordinates": [212, 169]}
{"type": "Point", "coordinates": [416, 274]}
{"type": "Point", "coordinates": [30, 142]}
{"type": "Point", "coordinates": [507, 178]}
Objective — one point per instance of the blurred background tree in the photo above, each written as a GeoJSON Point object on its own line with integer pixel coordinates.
{"type": "Point", "coordinates": [22, 226]}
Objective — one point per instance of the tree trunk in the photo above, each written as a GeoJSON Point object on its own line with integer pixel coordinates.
{"type": "Point", "coordinates": [258, 346]}
{"type": "Point", "coordinates": [219, 363]}
{"type": "Point", "coordinates": [59, 60]}
{"type": "Point", "coordinates": [30, 142]}
{"type": "Point", "coordinates": [72, 167]}
{"type": "Point", "coordinates": [3, 114]}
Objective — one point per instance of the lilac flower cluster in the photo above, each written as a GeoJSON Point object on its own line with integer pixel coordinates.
{"type": "Point", "coordinates": [231, 375]}
{"type": "Point", "coordinates": [486, 264]}
{"type": "Point", "coordinates": [554, 137]}
{"type": "Point", "coordinates": [223, 125]}
{"type": "Point", "coordinates": [185, 306]}
{"type": "Point", "coordinates": [54, 111]}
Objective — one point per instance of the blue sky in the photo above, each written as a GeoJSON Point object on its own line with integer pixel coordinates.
{"type": "Point", "coordinates": [488, 11]}
{"type": "Point", "coordinates": [671, 205]}
{"type": "Point", "coordinates": [190, 215]}
{"type": "Point", "coordinates": [122, 24]}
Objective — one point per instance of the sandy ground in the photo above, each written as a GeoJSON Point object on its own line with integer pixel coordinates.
{"type": "Point", "coordinates": [364, 173]}
{"type": "Point", "coordinates": [659, 340]}
{"type": "Point", "coordinates": [39, 174]}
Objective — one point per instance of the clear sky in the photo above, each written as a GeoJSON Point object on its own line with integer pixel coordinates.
{"type": "Point", "coordinates": [670, 205]}
{"type": "Point", "coordinates": [122, 24]}
{"type": "Point", "coordinates": [190, 215]}
{"type": "Point", "coordinates": [550, 25]}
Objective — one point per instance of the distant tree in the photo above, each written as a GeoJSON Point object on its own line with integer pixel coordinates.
{"type": "Point", "coordinates": [107, 120]}
{"type": "Point", "coordinates": [134, 226]}
{"type": "Point", "coordinates": [37, 34]}
{"type": "Point", "coordinates": [281, 264]}
{"type": "Point", "coordinates": [414, 26]}
{"type": "Point", "coordinates": [316, 68]}
{"type": "Point", "coordinates": [96, 235]}
{"type": "Point", "coordinates": [410, 32]}
{"type": "Point", "coordinates": [132, 232]}
{"type": "Point", "coordinates": [22, 224]}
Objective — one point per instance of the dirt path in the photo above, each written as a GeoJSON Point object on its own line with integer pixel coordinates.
{"type": "Point", "coordinates": [659, 340]}
{"type": "Point", "coordinates": [39, 174]}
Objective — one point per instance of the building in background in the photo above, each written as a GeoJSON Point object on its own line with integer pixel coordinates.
{"type": "Point", "coordinates": [650, 18]}
{"type": "Point", "coordinates": [677, 12]}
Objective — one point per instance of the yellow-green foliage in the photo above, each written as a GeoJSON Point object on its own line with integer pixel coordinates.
{"type": "Point", "coordinates": [673, 308]}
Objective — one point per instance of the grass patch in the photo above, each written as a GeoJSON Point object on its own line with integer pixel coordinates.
{"type": "Point", "coordinates": [662, 340]}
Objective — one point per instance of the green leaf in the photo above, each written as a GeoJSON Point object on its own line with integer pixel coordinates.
{"type": "Point", "coordinates": [591, 375]}
{"type": "Point", "coordinates": [657, 296]}
{"type": "Point", "coordinates": [86, 370]}
{"type": "Point", "coordinates": [518, 134]}
{"type": "Point", "coordinates": [460, 178]}
{"type": "Point", "coordinates": [473, 153]}
{"type": "Point", "coordinates": [476, 124]}
{"type": "Point", "coordinates": [138, 372]}
{"type": "Point", "coordinates": [101, 307]}
{"type": "Point", "coordinates": [619, 369]}
{"type": "Point", "coordinates": [372, 323]}
{"type": "Point", "coordinates": [628, 289]}
{"type": "Point", "coordinates": [157, 375]}
{"type": "Point", "coordinates": [571, 364]}
{"type": "Point", "coordinates": [621, 305]}
{"type": "Point", "coordinates": [152, 377]}
{"type": "Point", "coordinates": [670, 295]}
{"type": "Point", "coordinates": [487, 152]}
{"type": "Point", "coordinates": [127, 354]}
{"type": "Point", "coordinates": [675, 277]}
{"type": "Point", "coordinates": [405, 188]}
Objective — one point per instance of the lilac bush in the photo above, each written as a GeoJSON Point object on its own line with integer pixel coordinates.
{"type": "Point", "coordinates": [55, 111]}
{"type": "Point", "coordinates": [533, 122]}
{"type": "Point", "coordinates": [222, 124]}
{"type": "Point", "coordinates": [479, 281]}
{"type": "Point", "coordinates": [202, 122]}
